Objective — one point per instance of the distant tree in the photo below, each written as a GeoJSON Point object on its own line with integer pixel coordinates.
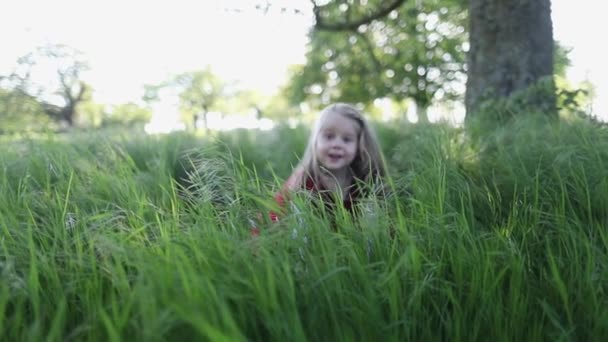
{"type": "Point", "coordinates": [264, 106]}
{"type": "Point", "coordinates": [60, 96]}
{"type": "Point", "coordinates": [152, 93]}
{"type": "Point", "coordinates": [243, 101]}
{"type": "Point", "coordinates": [199, 92]}
{"type": "Point", "coordinates": [127, 114]}
{"type": "Point", "coordinates": [90, 113]}
{"type": "Point", "coordinates": [71, 88]}
{"type": "Point", "coordinates": [20, 112]}
{"type": "Point", "coordinates": [278, 107]}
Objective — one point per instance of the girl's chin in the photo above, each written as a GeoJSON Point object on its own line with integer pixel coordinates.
{"type": "Point", "coordinates": [334, 167]}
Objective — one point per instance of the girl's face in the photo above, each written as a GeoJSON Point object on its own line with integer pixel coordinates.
{"type": "Point", "coordinates": [337, 141]}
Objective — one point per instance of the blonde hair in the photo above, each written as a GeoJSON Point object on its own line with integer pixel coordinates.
{"type": "Point", "coordinates": [368, 165]}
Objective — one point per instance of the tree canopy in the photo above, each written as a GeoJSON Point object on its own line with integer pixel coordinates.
{"type": "Point", "coordinates": [415, 50]}
{"type": "Point", "coordinates": [57, 98]}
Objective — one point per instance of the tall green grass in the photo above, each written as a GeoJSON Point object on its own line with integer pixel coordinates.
{"type": "Point", "coordinates": [147, 238]}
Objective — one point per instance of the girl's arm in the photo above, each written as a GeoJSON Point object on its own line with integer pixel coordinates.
{"type": "Point", "coordinates": [274, 216]}
{"type": "Point", "coordinates": [281, 198]}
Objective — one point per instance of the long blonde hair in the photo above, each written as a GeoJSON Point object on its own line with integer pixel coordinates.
{"type": "Point", "coordinates": [368, 165]}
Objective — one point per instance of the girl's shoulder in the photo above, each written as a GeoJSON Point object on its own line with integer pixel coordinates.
{"type": "Point", "coordinates": [299, 180]}
{"type": "Point", "coordinates": [294, 180]}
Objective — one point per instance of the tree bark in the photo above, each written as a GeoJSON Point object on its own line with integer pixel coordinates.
{"type": "Point", "coordinates": [511, 48]}
{"type": "Point", "coordinates": [422, 114]}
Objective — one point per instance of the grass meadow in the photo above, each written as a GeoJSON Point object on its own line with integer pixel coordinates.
{"type": "Point", "coordinates": [147, 238]}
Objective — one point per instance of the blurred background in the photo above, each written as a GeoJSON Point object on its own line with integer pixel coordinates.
{"type": "Point", "coordinates": [219, 65]}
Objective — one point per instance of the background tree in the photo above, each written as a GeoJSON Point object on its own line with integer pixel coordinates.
{"type": "Point", "coordinates": [264, 106]}
{"type": "Point", "coordinates": [152, 93]}
{"type": "Point", "coordinates": [511, 50]}
{"type": "Point", "coordinates": [511, 46]}
{"type": "Point", "coordinates": [47, 81]}
{"type": "Point", "coordinates": [278, 108]}
{"type": "Point", "coordinates": [127, 114]}
{"type": "Point", "coordinates": [20, 112]}
{"type": "Point", "coordinates": [71, 89]}
{"type": "Point", "coordinates": [244, 101]}
{"type": "Point", "coordinates": [199, 92]}
{"type": "Point", "coordinates": [414, 51]}
{"type": "Point", "coordinates": [18, 109]}
{"type": "Point", "coordinates": [571, 98]}
{"type": "Point", "coordinates": [58, 94]}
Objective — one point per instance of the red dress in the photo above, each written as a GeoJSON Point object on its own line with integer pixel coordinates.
{"type": "Point", "coordinates": [291, 185]}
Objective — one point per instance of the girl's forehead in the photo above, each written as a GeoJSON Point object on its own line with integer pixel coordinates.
{"type": "Point", "coordinates": [336, 121]}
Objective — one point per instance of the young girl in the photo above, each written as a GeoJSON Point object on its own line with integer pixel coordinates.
{"type": "Point", "coordinates": [341, 163]}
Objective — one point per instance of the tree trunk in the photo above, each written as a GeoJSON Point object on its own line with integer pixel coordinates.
{"type": "Point", "coordinates": [68, 113]}
{"type": "Point", "coordinates": [205, 123]}
{"type": "Point", "coordinates": [511, 48]}
{"type": "Point", "coordinates": [422, 113]}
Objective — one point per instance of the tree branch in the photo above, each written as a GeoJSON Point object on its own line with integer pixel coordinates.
{"type": "Point", "coordinates": [372, 54]}
{"type": "Point", "coordinates": [83, 89]}
{"type": "Point", "coordinates": [265, 7]}
{"type": "Point", "coordinates": [320, 24]}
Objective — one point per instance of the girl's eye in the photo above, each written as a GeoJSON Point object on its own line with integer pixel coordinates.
{"type": "Point", "coordinates": [329, 136]}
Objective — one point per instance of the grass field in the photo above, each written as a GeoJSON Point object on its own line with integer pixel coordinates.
{"type": "Point", "coordinates": [107, 238]}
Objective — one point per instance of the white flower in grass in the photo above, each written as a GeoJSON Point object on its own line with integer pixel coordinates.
{"type": "Point", "coordinates": [298, 214]}
{"type": "Point", "coordinates": [17, 284]}
{"type": "Point", "coordinates": [299, 226]}
{"type": "Point", "coordinates": [301, 252]}
{"type": "Point", "coordinates": [70, 221]}
{"type": "Point", "coordinates": [9, 275]}
{"type": "Point", "coordinates": [368, 209]}
{"type": "Point", "coordinates": [300, 223]}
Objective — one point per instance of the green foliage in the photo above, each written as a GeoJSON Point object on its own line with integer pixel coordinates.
{"type": "Point", "coordinates": [244, 101]}
{"type": "Point", "coordinates": [278, 107]}
{"type": "Point", "coordinates": [551, 165]}
{"type": "Point", "coordinates": [57, 98]}
{"type": "Point", "coordinates": [20, 112]}
{"type": "Point", "coordinates": [561, 59]}
{"type": "Point", "coordinates": [90, 114]}
{"type": "Point", "coordinates": [199, 92]}
{"type": "Point", "coordinates": [496, 112]}
{"type": "Point", "coordinates": [127, 114]}
{"type": "Point", "coordinates": [416, 52]}
{"type": "Point", "coordinates": [571, 98]}
{"type": "Point", "coordinates": [147, 238]}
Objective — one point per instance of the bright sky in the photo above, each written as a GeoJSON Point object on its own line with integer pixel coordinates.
{"type": "Point", "coordinates": [133, 42]}
{"type": "Point", "coordinates": [130, 43]}
{"type": "Point", "coordinates": [579, 25]}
